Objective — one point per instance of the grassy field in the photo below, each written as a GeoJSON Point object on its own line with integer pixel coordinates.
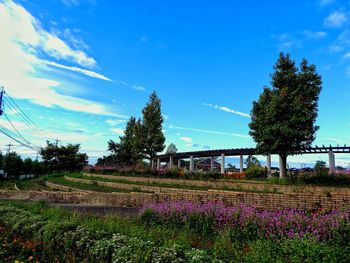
{"type": "Point", "coordinates": [90, 187]}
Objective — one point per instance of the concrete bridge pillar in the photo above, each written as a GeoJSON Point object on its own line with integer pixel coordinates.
{"type": "Point", "coordinates": [171, 162]}
{"type": "Point", "coordinates": [223, 163]}
{"type": "Point", "coordinates": [268, 163]}
{"type": "Point", "coordinates": [179, 163]}
{"type": "Point", "coordinates": [212, 164]}
{"type": "Point", "coordinates": [241, 164]}
{"type": "Point", "coordinates": [191, 163]}
{"type": "Point", "coordinates": [331, 157]}
{"type": "Point", "coordinates": [158, 164]}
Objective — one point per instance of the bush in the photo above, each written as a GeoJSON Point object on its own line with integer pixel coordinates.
{"type": "Point", "coordinates": [256, 172]}
{"type": "Point", "coordinates": [295, 250]}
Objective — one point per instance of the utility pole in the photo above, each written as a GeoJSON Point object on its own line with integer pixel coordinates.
{"type": "Point", "coordinates": [1, 100]}
{"type": "Point", "coordinates": [9, 149]}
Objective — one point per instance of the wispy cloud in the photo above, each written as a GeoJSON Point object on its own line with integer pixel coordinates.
{"type": "Point", "coordinates": [138, 87]}
{"type": "Point", "coordinates": [315, 35]}
{"type": "Point", "coordinates": [23, 41]}
{"type": "Point", "coordinates": [335, 19]}
{"type": "Point", "coordinates": [186, 139]}
{"type": "Point", "coordinates": [295, 40]}
{"type": "Point", "coordinates": [326, 2]}
{"type": "Point", "coordinates": [209, 131]}
{"type": "Point", "coordinates": [86, 72]}
{"type": "Point", "coordinates": [118, 131]}
{"type": "Point", "coordinates": [71, 2]}
{"type": "Point", "coordinates": [226, 109]}
{"type": "Point", "coordinates": [114, 122]}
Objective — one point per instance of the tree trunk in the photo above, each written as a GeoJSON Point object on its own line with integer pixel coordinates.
{"type": "Point", "coordinates": [283, 166]}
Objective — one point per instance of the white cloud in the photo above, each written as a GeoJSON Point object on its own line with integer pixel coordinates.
{"type": "Point", "coordinates": [186, 139]}
{"type": "Point", "coordinates": [79, 70]}
{"type": "Point", "coordinates": [210, 131]}
{"type": "Point", "coordinates": [118, 131]}
{"type": "Point", "coordinates": [315, 35]}
{"type": "Point", "coordinates": [114, 122]}
{"type": "Point", "coordinates": [138, 87]}
{"type": "Point", "coordinates": [71, 2]}
{"type": "Point", "coordinates": [335, 19]}
{"type": "Point", "coordinates": [326, 2]}
{"type": "Point", "coordinates": [226, 109]}
{"type": "Point", "coordinates": [22, 40]}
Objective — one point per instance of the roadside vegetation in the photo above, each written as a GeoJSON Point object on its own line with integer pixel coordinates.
{"type": "Point", "coordinates": [173, 232]}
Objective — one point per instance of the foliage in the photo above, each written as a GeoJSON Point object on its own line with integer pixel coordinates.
{"type": "Point", "coordinates": [13, 165]}
{"type": "Point", "coordinates": [63, 158]}
{"type": "Point", "coordinates": [248, 223]}
{"type": "Point", "coordinates": [295, 250]}
{"type": "Point", "coordinates": [171, 149]}
{"type": "Point", "coordinates": [283, 118]}
{"type": "Point", "coordinates": [129, 149]}
{"type": "Point", "coordinates": [252, 161]}
{"type": "Point", "coordinates": [256, 172]}
{"type": "Point", "coordinates": [142, 138]}
{"type": "Point", "coordinates": [153, 137]}
{"type": "Point", "coordinates": [27, 166]}
{"type": "Point", "coordinates": [35, 232]}
{"type": "Point", "coordinates": [320, 167]}
{"type": "Point", "coordinates": [58, 237]}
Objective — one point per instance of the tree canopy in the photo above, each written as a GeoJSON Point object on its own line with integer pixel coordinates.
{"type": "Point", "coordinates": [283, 119]}
{"type": "Point", "coordinates": [63, 158]}
{"type": "Point", "coordinates": [171, 149]}
{"type": "Point", "coordinates": [152, 129]}
{"type": "Point", "coordinates": [142, 138]}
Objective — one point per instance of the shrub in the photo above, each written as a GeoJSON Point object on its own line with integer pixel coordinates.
{"type": "Point", "coordinates": [256, 172]}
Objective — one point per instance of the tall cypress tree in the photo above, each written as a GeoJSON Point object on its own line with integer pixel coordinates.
{"type": "Point", "coordinates": [152, 130]}
{"type": "Point", "coordinates": [283, 118]}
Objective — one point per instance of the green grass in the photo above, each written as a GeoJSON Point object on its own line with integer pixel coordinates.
{"type": "Point", "coordinates": [36, 184]}
{"type": "Point", "coordinates": [168, 185]}
{"type": "Point", "coordinates": [90, 187]}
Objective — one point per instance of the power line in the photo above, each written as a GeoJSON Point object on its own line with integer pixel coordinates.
{"type": "Point", "coordinates": [13, 136]}
{"type": "Point", "coordinates": [13, 126]}
{"type": "Point", "coordinates": [25, 114]}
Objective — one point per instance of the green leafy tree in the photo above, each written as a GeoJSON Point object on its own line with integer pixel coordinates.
{"type": "Point", "coordinates": [320, 167]}
{"type": "Point", "coordinates": [171, 149]}
{"type": "Point", "coordinates": [252, 161]}
{"type": "Point", "coordinates": [13, 165]}
{"type": "Point", "coordinates": [153, 137]}
{"type": "Point", "coordinates": [38, 168]}
{"type": "Point", "coordinates": [63, 158]}
{"type": "Point", "coordinates": [28, 166]}
{"type": "Point", "coordinates": [128, 151]}
{"type": "Point", "coordinates": [283, 119]}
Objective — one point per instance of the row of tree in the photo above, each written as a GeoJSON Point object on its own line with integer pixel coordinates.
{"type": "Point", "coordinates": [143, 138]}
{"type": "Point", "coordinates": [55, 158]}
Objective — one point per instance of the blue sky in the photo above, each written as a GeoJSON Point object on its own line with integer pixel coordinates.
{"type": "Point", "coordinates": [81, 68]}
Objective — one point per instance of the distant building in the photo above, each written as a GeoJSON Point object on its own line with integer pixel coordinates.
{"type": "Point", "coordinates": [205, 165]}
